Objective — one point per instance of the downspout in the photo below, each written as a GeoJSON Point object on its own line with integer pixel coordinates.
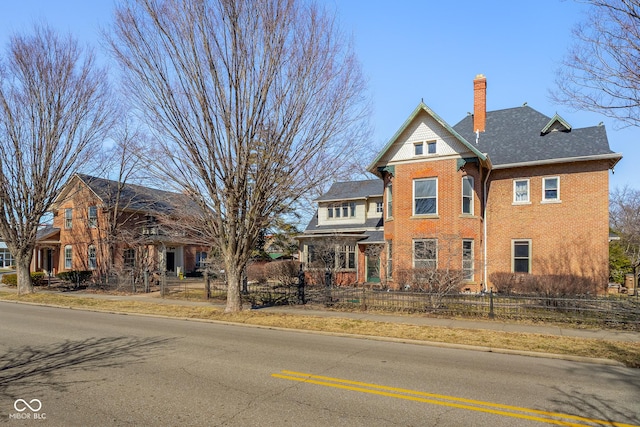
{"type": "Point", "coordinates": [484, 224]}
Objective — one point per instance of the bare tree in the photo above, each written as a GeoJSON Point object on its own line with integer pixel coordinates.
{"type": "Point", "coordinates": [54, 108]}
{"type": "Point", "coordinates": [254, 103]}
{"type": "Point", "coordinates": [600, 72]}
{"type": "Point", "coordinates": [625, 220]}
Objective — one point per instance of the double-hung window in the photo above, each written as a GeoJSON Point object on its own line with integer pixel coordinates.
{"type": "Point", "coordinates": [93, 216]}
{"type": "Point", "coordinates": [425, 253]}
{"type": "Point", "coordinates": [68, 257]}
{"type": "Point", "coordinates": [467, 260]}
{"type": "Point", "coordinates": [68, 218]}
{"type": "Point", "coordinates": [521, 256]}
{"type": "Point", "coordinates": [92, 264]}
{"type": "Point", "coordinates": [467, 195]}
{"type": "Point", "coordinates": [201, 259]}
{"type": "Point", "coordinates": [425, 196]}
{"type": "Point", "coordinates": [129, 257]}
{"type": "Point", "coordinates": [347, 257]}
{"type": "Point", "coordinates": [521, 191]}
{"type": "Point", "coordinates": [389, 201]}
{"type": "Point", "coordinates": [551, 189]}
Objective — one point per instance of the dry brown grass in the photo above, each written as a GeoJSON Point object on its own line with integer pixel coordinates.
{"type": "Point", "coordinates": [626, 352]}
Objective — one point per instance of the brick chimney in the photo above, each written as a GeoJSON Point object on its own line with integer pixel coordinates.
{"type": "Point", "coordinates": [479, 102]}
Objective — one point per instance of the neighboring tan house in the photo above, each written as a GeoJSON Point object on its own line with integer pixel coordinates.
{"type": "Point", "coordinates": [345, 232]}
{"type": "Point", "coordinates": [108, 227]}
{"type": "Point", "coordinates": [510, 191]}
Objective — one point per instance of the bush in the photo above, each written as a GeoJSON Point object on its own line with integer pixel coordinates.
{"type": "Point", "coordinates": [75, 276]}
{"type": "Point", "coordinates": [549, 285]}
{"type": "Point", "coordinates": [37, 278]}
{"type": "Point", "coordinates": [10, 279]}
{"type": "Point", "coordinates": [283, 272]}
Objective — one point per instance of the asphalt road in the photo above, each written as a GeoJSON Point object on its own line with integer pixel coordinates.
{"type": "Point", "coordinates": [64, 367]}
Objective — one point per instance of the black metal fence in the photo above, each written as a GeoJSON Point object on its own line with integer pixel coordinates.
{"type": "Point", "coordinates": [611, 311]}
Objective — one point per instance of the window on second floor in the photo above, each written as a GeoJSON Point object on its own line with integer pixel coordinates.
{"type": "Point", "coordinates": [551, 189]}
{"type": "Point", "coordinates": [342, 210]}
{"type": "Point", "coordinates": [68, 218]}
{"type": "Point", "coordinates": [425, 196]}
{"type": "Point", "coordinates": [378, 207]}
{"type": "Point", "coordinates": [418, 149]}
{"type": "Point", "coordinates": [93, 216]}
{"type": "Point", "coordinates": [521, 191]}
{"type": "Point", "coordinates": [389, 201]}
{"type": "Point", "coordinates": [467, 195]}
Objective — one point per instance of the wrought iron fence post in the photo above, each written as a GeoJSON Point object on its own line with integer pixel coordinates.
{"type": "Point", "coordinates": [301, 298]}
{"type": "Point", "coordinates": [491, 313]}
{"type": "Point", "coordinates": [146, 281]}
{"type": "Point", "coordinates": [327, 284]}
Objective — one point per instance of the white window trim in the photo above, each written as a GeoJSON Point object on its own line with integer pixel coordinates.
{"type": "Point", "coordinates": [472, 192]}
{"type": "Point", "coordinates": [473, 269]}
{"type": "Point", "coordinates": [92, 221]}
{"type": "Point", "coordinates": [68, 221]}
{"type": "Point", "coordinates": [414, 251]}
{"type": "Point", "coordinates": [435, 149]}
{"type": "Point", "coordinates": [68, 265]}
{"type": "Point", "coordinates": [389, 204]}
{"type": "Point", "coordinates": [522, 202]}
{"type": "Point", "coordinates": [413, 200]}
{"type": "Point", "coordinates": [544, 199]}
{"type": "Point", "coordinates": [513, 254]}
{"type": "Point", "coordinates": [415, 148]}
{"type": "Point", "coordinates": [93, 249]}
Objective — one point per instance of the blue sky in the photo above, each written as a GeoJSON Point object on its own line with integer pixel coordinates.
{"type": "Point", "coordinates": [419, 50]}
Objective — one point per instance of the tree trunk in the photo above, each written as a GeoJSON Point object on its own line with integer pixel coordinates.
{"type": "Point", "coordinates": [234, 281]}
{"type": "Point", "coordinates": [23, 264]}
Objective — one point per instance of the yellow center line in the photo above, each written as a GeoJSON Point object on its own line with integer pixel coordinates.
{"type": "Point", "coordinates": [414, 395]}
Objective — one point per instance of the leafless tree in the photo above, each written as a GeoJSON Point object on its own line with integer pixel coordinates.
{"type": "Point", "coordinates": [600, 72]}
{"type": "Point", "coordinates": [254, 102]}
{"type": "Point", "coordinates": [54, 108]}
{"type": "Point", "coordinates": [625, 220]}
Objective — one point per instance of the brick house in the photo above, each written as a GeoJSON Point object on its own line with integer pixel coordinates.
{"type": "Point", "coordinates": [101, 225]}
{"type": "Point", "coordinates": [345, 235]}
{"type": "Point", "coordinates": [510, 191]}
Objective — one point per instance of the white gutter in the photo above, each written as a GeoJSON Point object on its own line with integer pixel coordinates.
{"type": "Point", "coordinates": [611, 156]}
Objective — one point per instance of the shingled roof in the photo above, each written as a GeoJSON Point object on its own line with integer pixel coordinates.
{"type": "Point", "coordinates": [352, 190]}
{"type": "Point", "coordinates": [136, 197]}
{"type": "Point", "coordinates": [516, 136]}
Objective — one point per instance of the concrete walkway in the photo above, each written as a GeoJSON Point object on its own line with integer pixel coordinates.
{"type": "Point", "coordinates": [414, 319]}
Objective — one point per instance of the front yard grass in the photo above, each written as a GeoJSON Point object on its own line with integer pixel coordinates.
{"type": "Point", "coordinates": [627, 353]}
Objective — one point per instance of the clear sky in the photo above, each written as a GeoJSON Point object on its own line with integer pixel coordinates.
{"type": "Point", "coordinates": [413, 50]}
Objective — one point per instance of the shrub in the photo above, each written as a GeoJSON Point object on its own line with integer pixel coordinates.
{"type": "Point", "coordinates": [10, 279]}
{"type": "Point", "coordinates": [37, 278]}
{"type": "Point", "coordinates": [283, 272]}
{"type": "Point", "coordinates": [75, 276]}
{"type": "Point", "coordinates": [550, 285]}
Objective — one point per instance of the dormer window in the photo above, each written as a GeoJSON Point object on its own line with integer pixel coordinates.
{"type": "Point", "coordinates": [342, 210]}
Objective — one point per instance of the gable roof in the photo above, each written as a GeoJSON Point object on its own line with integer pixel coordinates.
{"type": "Point", "coordinates": [352, 190]}
{"type": "Point", "coordinates": [132, 197]}
{"type": "Point", "coordinates": [423, 107]}
{"type": "Point", "coordinates": [520, 136]}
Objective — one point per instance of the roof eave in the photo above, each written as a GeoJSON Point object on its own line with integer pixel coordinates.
{"type": "Point", "coordinates": [613, 157]}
